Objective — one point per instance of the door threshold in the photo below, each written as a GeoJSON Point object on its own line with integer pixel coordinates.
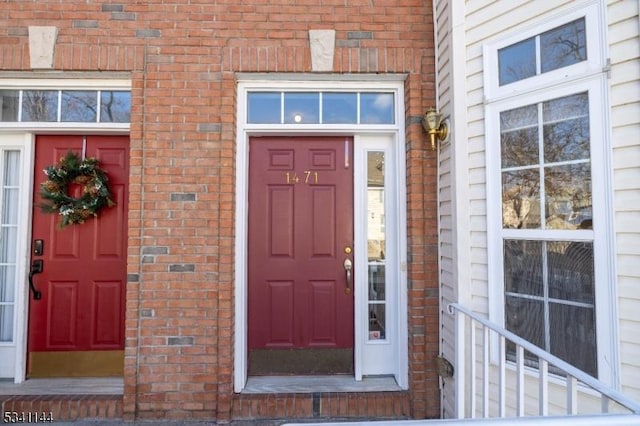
{"type": "Point", "coordinates": [312, 384]}
{"type": "Point", "coordinates": [65, 386]}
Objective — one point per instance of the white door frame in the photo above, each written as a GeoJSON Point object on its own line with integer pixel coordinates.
{"type": "Point", "coordinates": [395, 132]}
{"type": "Point", "coordinates": [23, 142]}
{"type": "Point", "coordinates": [23, 136]}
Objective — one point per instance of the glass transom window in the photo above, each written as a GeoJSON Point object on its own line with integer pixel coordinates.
{"type": "Point", "coordinates": [69, 106]}
{"type": "Point", "coordinates": [557, 48]}
{"type": "Point", "coordinates": [320, 108]}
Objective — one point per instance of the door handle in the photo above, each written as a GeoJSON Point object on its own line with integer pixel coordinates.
{"type": "Point", "coordinates": [37, 266]}
{"type": "Point", "coordinates": [347, 267]}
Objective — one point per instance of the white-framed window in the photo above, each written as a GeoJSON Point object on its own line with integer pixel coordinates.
{"type": "Point", "coordinates": [71, 106]}
{"type": "Point", "coordinates": [548, 192]}
{"type": "Point", "coordinates": [546, 53]}
{"type": "Point", "coordinates": [82, 104]}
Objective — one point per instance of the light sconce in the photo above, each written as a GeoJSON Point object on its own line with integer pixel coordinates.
{"type": "Point", "coordinates": [435, 126]}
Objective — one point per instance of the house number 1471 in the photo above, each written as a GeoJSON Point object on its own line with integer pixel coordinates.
{"type": "Point", "coordinates": [309, 177]}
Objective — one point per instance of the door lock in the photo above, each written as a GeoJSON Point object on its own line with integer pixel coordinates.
{"type": "Point", "coordinates": [38, 247]}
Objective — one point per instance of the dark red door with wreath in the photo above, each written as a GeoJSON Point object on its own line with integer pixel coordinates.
{"type": "Point", "coordinates": [76, 325]}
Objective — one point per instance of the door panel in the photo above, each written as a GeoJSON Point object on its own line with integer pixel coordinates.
{"type": "Point", "coordinates": [300, 221]}
{"type": "Point", "coordinates": [81, 311]}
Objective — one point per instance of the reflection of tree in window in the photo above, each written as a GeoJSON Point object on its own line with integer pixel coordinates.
{"type": "Point", "coordinates": [39, 105]}
{"type": "Point", "coordinates": [79, 106]}
{"type": "Point", "coordinates": [521, 199]}
{"type": "Point", "coordinates": [115, 107]}
{"type": "Point", "coordinates": [519, 136]}
{"type": "Point", "coordinates": [566, 128]}
{"type": "Point", "coordinates": [107, 106]}
{"type": "Point", "coordinates": [565, 164]}
{"type": "Point", "coordinates": [559, 47]}
{"type": "Point", "coordinates": [563, 46]}
{"type": "Point", "coordinates": [568, 191]}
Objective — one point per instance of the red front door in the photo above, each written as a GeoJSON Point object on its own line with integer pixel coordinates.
{"type": "Point", "coordinates": [300, 234]}
{"type": "Point", "coordinates": [76, 328]}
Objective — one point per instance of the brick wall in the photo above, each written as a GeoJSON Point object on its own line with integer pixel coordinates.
{"type": "Point", "coordinates": [183, 58]}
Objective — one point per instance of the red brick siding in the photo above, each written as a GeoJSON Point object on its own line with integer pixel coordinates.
{"type": "Point", "coordinates": [184, 59]}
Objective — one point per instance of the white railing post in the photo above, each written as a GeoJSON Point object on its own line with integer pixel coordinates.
{"type": "Point", "coordinates": [519, 381]}
{"type": "Point", "coordinates": [472, 368]}
{"type": "Point", "coordinates": [460, 374]}
{"type": "Point", "coordinates": [572, 395]}
{"type": "Point", "coordinates": [485, 371]}
{"type": "Point", "coordinates": [543, 387]}
{"type": "Point", "coordinates": [503, 379]}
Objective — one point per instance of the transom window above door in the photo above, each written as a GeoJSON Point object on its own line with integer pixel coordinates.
{"type": "Point", "coordinates": [65, 106]}
{"type": "Point", "coordinates": [320, 108]}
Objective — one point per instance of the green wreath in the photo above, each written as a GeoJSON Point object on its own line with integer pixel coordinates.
{"type": "Point", "coordinates": [71, 169]}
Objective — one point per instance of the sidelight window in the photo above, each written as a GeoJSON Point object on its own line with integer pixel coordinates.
{"type": "Point", "coordinates": [9, 193]}
{"type": "Point", "coordinates": [376, 246]}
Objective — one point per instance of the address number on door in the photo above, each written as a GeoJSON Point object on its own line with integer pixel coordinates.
{"type": "Point", "coordinates": [308, 176]}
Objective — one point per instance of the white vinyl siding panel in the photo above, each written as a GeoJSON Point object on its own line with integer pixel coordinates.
{"type": "Point", "coordinates": [624, 82]}
{"type": "Point", "coordinates": [485, 20]}
{"type": "Point", "coordinates": [446, 203]}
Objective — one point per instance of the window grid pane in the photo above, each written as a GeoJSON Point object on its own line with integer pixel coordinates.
{"type": "Point", "coordinates": [548, 285]}
{"type": "Point", "coordinates": [302, 108]}
{"type": "Point", "coordinates": [376, 108]}
{"type": "Point", "coordinates": [563, 46]}
{"type": "Point", "coordinates": [79, 106]}
{"type": "Point", "coordinates": [517, 62]}
{"type": "Point", "coordinates": [339, 108]}
{"type": "Point", "coordinates": [115, 107]}
{"type": "Point", "coordinates": [552, 190]}
{"type": "Point", "coordinates": [40, 105]}
{"type": "Point", "coordinates": [9, 105]}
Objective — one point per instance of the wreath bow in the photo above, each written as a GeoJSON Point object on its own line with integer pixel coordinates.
{"type": "Point", "coordinates": [86, 173]}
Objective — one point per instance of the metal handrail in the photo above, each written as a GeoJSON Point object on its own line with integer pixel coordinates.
{"type": "Point", "coordinates": [581, 376]}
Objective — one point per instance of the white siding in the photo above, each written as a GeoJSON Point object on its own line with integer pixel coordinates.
{"type": "Point", "coordinates": [624, 42]}
{"type": "Point", "coordinates": [446, 203]}
{"type": "Point", "coordinates": [463, 208]}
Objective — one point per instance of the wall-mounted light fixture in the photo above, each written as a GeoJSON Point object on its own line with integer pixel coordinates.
{"type": "Point", "coordinates": [435, 126]}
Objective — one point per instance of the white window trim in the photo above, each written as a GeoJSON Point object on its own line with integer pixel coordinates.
{"type": "Point", "coordinates": [593, 13]}
{"type": "Point", "coordinates": [590, 75]}
{"type": "Point", "coordinates": [314, 82]}
{"type": "Point", "coordinates": [61, 83]}
{"type": "Point", "coordinates": [604, 249]}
